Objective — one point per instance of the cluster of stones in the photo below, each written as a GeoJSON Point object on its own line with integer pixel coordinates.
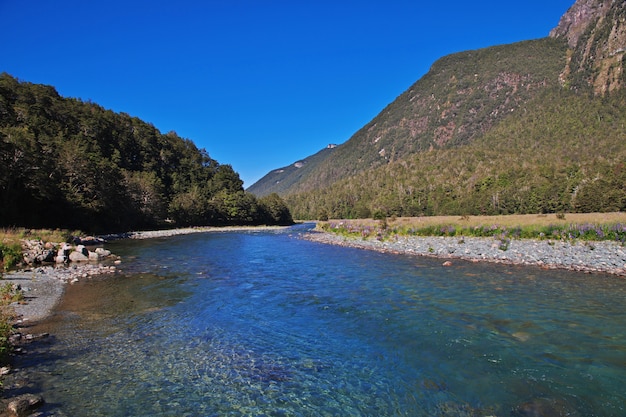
{"type": "Point", "coordinates": [74, 272]}
{"type": "Point", "coordinates": [37, 252]}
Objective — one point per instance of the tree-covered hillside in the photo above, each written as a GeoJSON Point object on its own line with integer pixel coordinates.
{"type": "Point", "coordinates": [72, 164]}
{"type": "Point", "coordinates": [562, 152]}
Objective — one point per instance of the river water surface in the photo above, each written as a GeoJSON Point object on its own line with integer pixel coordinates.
{"type": "Point", "coordinates": [268, 324]}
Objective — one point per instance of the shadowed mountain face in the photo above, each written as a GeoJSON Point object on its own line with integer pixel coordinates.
{"type": "Point", "coordinates": [462, 103]}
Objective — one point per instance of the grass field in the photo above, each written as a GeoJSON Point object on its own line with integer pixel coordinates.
{"type": "Point", "coordinates": [513, 220]}
{"type": "Point", "coordinates": [13, 235]}
{"type": "Point", "coordinates": [586, 226]}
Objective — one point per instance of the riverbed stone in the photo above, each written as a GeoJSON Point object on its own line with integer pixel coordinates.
{"type": "Point", "coordinates": [77, 256]}
{"type": "Point", "coordinates": [103, 252]}
{"type": "Point", "coordinates": [543, 407]}
{"type": "Point", "coordinates": [24, 405]}
{"type": "Point", "coordinates": [607, 256]}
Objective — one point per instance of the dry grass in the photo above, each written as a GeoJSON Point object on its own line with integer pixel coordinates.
{"type": "Point", "coordinates": [514, 220]}
{"type": "Point", "coordinates": [10, 236]}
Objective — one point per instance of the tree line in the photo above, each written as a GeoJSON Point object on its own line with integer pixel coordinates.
{"type": "Point", "coordinates": [65, 163]}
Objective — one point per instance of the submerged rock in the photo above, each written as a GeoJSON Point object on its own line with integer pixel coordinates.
{"type": "Point", "coordinates": [24, 405]}
{"type": "Point", "coordinates": [543, 407]}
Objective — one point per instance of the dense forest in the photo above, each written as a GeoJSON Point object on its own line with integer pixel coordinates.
{"type": "Point", "coordinates": [65, 163]}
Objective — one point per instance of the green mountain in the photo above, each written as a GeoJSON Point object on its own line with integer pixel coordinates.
{"type": "Point", "coordinates": [65, 163]}
{"type": "Point", "coordinates": [535, 126]}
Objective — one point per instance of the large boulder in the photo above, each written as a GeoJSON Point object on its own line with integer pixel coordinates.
{"type": "Point", "coordinates": [47, 255]}
{"type": "Point", "coordinates": [82, 249]}
{"type": "Point", "coordinates": [37, 252]}
{"type": "Point", "coordinates": [77, 256]}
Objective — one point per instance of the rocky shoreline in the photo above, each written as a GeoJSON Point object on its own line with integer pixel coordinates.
{"type": "Point", "coordinates": [593, 257]}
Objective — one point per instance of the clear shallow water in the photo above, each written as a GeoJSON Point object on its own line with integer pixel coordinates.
{"type": "Point", "coordinates": [266, 324]}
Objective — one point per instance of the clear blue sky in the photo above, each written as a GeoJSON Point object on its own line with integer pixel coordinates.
{"type": "Point", "coordinates": [258, 84]}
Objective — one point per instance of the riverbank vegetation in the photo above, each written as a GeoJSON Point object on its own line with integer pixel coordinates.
{"type": "Point", "coordinates": [9, 294]}
{"type": "Point", "coordinates": [583, 226]}
{"type": "Point", "coordinates": [65, 163]}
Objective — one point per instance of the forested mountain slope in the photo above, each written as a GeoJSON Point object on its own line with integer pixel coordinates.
{"type": "Point", "coordinates": [565, 153]}
{"type": "Point", "coordinates": [529, 127]}
{"type": "Point", "coordinates": [70, 164]}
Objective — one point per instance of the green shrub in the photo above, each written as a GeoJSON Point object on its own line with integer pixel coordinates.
{"type": "Point", "coordinates": [10, 255]}
{"type": "Point", "coordinates": [10, 293]}
{"type": "Point", "coordinates": [6, 329]}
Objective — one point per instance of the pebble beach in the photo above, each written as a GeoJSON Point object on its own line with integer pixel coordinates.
{"type": "Point", "coordinates": [601, 257]}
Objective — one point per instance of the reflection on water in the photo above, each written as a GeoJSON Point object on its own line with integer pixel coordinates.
{"type": "Point", "coordinates": [265, 324]}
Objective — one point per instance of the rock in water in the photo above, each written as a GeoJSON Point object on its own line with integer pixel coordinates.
{"type": "Point", "coordinates": [24, 405]}
{"type": "Point", "coordinates": [543, 407]}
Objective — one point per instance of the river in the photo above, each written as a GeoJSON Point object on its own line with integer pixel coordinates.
{"type": "Point", "coordinates": [265, 323]}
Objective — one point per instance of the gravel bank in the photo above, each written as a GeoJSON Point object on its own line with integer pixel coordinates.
{"type": "Point", "coordinates": [43, 287]}
{"type": "Point", "coordinates": [604, 256]}
{"type": "Point", "coordinates": [150, 234]}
